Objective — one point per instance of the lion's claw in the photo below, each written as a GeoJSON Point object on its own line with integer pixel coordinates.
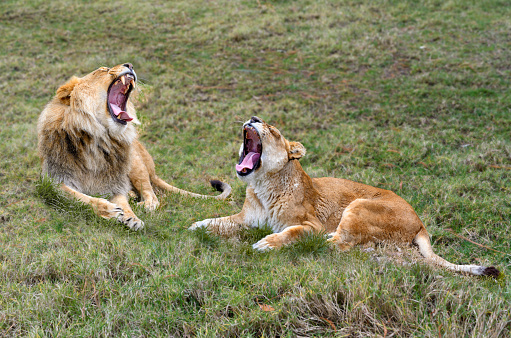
{"type": "Point", "coordinates": [107, 209]}
{"type": "Point", "coordinates": [133, 223]}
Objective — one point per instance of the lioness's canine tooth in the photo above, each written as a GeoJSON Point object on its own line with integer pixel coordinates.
{"type": "Point", "coordinates": [123, 81]}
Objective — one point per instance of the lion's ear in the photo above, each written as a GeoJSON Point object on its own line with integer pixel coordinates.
{"type": "Point", "coordinates": [296, 150]}
{"type": "Point", "coordinates": [64, 92]}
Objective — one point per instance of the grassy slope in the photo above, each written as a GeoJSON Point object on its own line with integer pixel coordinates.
{"type": "Point", "coordinates": [413, 98]}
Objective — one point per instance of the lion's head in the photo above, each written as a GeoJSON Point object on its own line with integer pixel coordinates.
{"type": "Point", "coordinates": [104, 94]}
{"type": "Point", "coordinates": [264, 150]}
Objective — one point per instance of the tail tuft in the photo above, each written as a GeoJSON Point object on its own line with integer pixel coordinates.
{"type": "Point", "coordinates": [218, 185]}
{"type": "Point", "coordinates": [491, 271]}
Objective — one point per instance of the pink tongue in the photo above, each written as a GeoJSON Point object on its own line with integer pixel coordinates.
{"type": "Point", "coordinates": [121, 114]}
{"type": "Point", "coordinates": [248, 162]}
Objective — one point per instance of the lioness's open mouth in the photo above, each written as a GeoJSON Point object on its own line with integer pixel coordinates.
{"type": "Point", "coordinates": [250, 158]}
{"type": "Point", "coordinates": [118, 94]}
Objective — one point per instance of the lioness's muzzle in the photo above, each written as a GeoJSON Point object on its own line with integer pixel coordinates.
{"type": "Point", "coordinates": [250, 158]}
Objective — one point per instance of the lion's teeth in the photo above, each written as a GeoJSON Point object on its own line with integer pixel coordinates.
{"type": "Point", "coordinates": [133, 83]}
{"type": "Point", "coordinates": [123, 81]}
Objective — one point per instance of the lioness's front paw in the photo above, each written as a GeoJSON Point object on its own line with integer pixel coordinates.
{"type": "Point", "coordinates": [268, 243]}
{"type": "Point", "coordinates": [107, 209]}
{"type": "Point", "coordinates": [200, 224]}
{"type": "Point", "coordinates": [132, 222]}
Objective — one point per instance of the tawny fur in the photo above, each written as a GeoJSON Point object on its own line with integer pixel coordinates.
{"type": "Point", "coordinates": [87, 152]}
{"type": "Point", "coordinates": [282, 196]}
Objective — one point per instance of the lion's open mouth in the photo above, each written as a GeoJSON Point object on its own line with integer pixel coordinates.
{"type": "Point", "coordinates": [250, 159]}
{"type": "Point", "coordinates": [118, 94]}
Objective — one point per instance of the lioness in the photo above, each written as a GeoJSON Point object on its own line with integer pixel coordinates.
{"type": "Point", "coordinates": [88, 143]}
{"type": "Point", "coordinates": [282, 196]}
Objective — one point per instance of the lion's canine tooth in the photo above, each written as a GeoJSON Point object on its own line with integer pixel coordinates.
{"type": "Point", "coordinates": [123, 81]}
{"type": "Point", "coordinates": [133, 82]}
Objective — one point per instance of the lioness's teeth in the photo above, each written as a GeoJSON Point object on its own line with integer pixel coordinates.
{"type": "Point", "coordinates": [133, 83]}
{"type": "Point", "coordinates": [123, 81]}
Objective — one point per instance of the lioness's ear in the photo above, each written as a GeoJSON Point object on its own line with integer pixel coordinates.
{"type": "Point", "coordinates": [296, 150]}
{"type": "Point", "coordinates": [64, 92]}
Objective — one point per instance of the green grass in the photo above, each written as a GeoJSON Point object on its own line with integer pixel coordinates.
{"type": "Point", "coordinates": [404, 95]}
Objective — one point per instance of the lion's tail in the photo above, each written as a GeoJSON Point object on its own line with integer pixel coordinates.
{"type": "Point", "coordinates": [422, 240]}
{"type": "Point", "coordinates": [218, 185]}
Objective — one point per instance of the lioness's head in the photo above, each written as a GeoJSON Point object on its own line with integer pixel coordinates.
{"type": "Point", "coordinates": [264, 150]}
{"type": "Point", "coordinates": [104, 93]}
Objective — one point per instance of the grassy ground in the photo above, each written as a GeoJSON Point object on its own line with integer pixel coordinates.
{"type": "Point", "coordinates": [412, 97]}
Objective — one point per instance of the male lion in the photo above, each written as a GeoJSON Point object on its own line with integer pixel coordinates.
{"type": "Point", "coordinates": [88, 144]}
{"type": "Point", "coordinates": [281, 195]}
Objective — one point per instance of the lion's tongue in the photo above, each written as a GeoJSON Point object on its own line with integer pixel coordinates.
{"type": "Point", "coordinates": [248, 162]}
{"type": "Point", "coordinates": [121, 114]}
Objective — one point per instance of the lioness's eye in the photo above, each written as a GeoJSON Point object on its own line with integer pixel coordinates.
{"type": "Point", "coordinates": [274, 131]}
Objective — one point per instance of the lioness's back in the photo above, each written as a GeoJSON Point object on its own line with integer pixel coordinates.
{"type": "Point", "coordinates": [349, 190]}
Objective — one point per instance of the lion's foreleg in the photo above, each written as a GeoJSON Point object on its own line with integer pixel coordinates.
{"type": "Point", "coordinates": [101, 206]}
{"type": "Point", "coordinates": [140, 179]}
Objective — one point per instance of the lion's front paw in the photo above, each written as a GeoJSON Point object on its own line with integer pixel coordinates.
{"type": "Point", "coordinates": [150, 204]}
{"type": "Point", "coordinates": [107, 209]}
{"type": "Point", "coordinates": [269, 242]}
{"type": "Point", "coordinates": [200, 224]}
{"type": "Point", "coordinates": [132, 222]}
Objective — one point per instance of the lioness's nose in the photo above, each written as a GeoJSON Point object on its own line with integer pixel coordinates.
{"type": "Point", "coordinates": [255, 119]}
{"type": "Point", "coordinates": [128, 65]}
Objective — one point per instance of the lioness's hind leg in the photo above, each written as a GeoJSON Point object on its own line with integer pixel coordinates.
{"type": "Point", "coordinates": [376, 220]}
{"type": "Point", "coordinates": [340, 241]}
{"type": "Point", "coordinates": [354, 226]}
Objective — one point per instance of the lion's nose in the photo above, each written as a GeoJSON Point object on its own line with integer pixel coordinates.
{"type": "Point", "coordinates": [256, 119]}
{"type": "Point", "coordinates": [128, 65]}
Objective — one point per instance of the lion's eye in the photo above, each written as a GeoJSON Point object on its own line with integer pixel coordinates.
{"type": "Point", "coordinates": [102, 69]}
